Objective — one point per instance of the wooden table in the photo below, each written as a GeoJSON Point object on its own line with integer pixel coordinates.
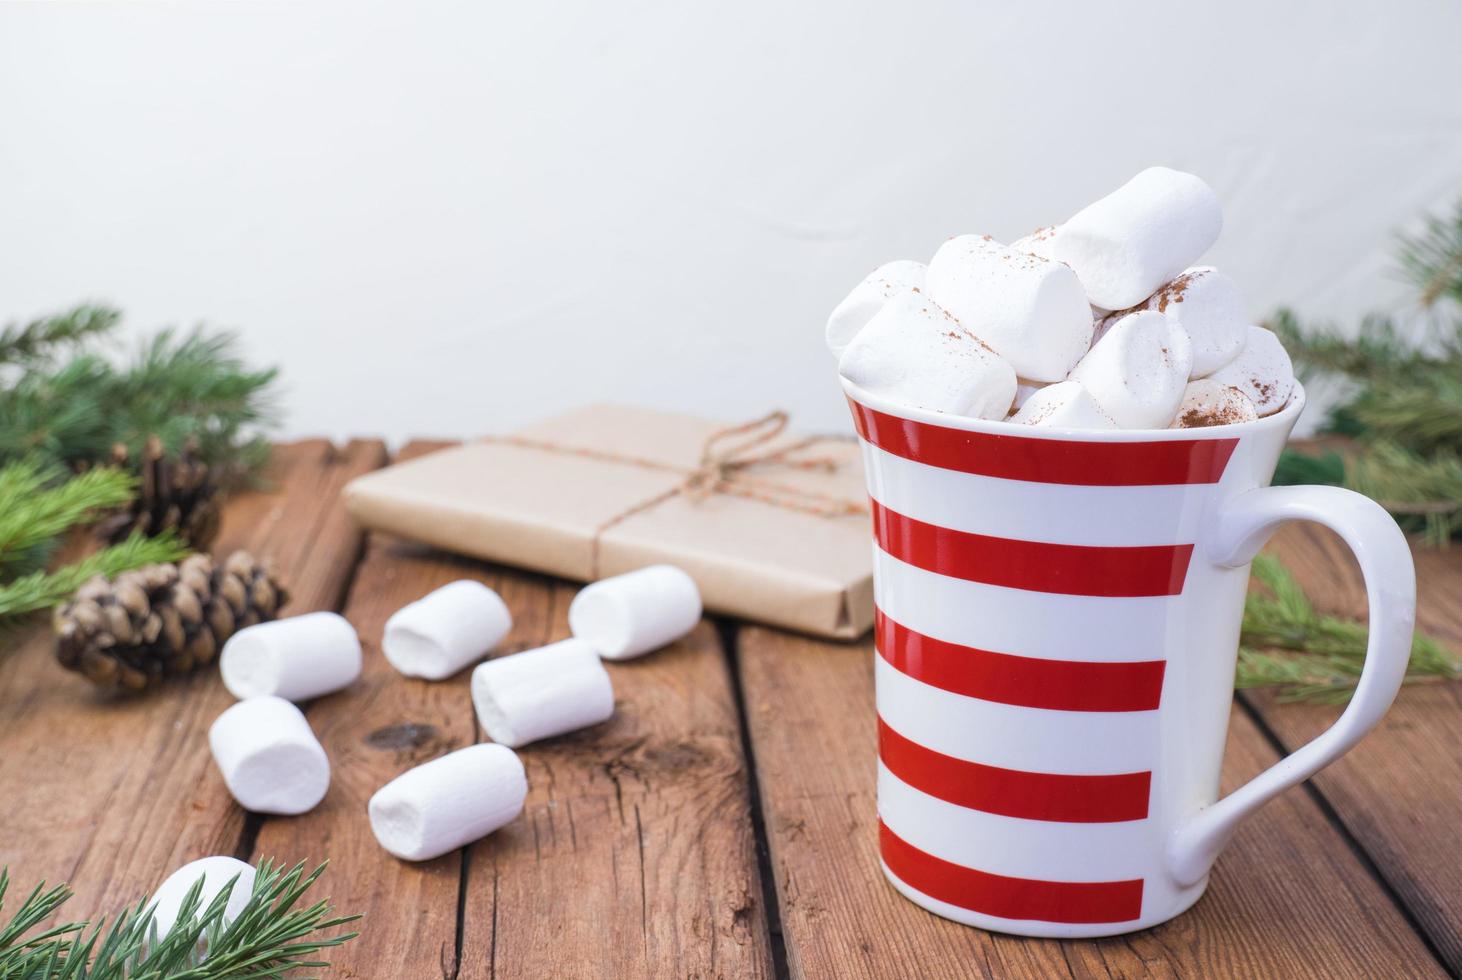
{"type": "Point", "coordinates": [722, 824]}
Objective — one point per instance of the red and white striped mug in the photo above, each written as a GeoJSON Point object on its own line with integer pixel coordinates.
{"type": "Point", "coordinates": [1058, 622]}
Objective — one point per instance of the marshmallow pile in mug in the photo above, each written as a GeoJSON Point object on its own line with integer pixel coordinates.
{"type": "Point", "coordinates": [1103, 322]}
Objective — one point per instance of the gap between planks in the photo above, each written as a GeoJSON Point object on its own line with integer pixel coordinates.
{"type": "Point", "coordinates": [117, 788]}
{"type": "Point", "coordinates": [730, 633]}
{"type": "Point", "coordinates": [1288, 898]}
{"type": "Point", "coordinates": [1396, 795]}
{"type": "Point", "coordinates": [1347, 834]}
{"type": "Point", "coordinates": [634, 855]}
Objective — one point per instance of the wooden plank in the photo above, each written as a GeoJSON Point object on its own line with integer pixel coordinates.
{"type": "Point", "coordinates": [1288, 898]}
{"type": "Point", "coordinates": [112, 793]}
{"type": "Point", "coordinates": [634, 856]}
{"type": "Point", "coordinates": [380, 726]}
{"type": "Point", "coordinates": [1400, 791]}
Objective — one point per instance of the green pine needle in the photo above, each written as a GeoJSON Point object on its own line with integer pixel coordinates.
{"type": "Point", "coordinates": [1377, 350]}
{"type": "Point", "coordinates": [1310, 656]}
{"type": "Point", "coordinates": [183, 387]}
{"type": "Point", "coordinates": [194, 387]}
{"type": "Point", "coordinates": [35, 512]}
{"type": "Point", "coordinates": [1433, 259]}
{"type": "Point", "coordinates": [1402, 405]}
{"type": "Point", "coordinates": [21, 956]}
{"type": "Point", "coordinates": [37, 509]}
{"type": "Point", "coordinates": [1298, 468]}
{"type": "Point", "coordinates": [44, 589]}
{"type": "Point", "coordinates": [40, 339]}
{"type": "Point", "coordinates": [1423, 492]}
{"type": "Point", "coordinates": [268, 939]}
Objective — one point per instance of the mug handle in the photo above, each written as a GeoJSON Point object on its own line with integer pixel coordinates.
{"type": "Point", "coordinates": [1241, 528]}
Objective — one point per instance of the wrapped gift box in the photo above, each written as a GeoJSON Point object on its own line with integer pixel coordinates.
{"type": "Point", "coordinates": [772, 527]}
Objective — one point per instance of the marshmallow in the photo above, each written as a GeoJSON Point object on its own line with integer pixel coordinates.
{"type": "Point", "coordinates": [1206, 402]}
{"type": "Point", "coordinates": [1106, 323]}
{"type": "Point", "coordinates": [634, 613]}
{"type": "Point", "coordinates": [449, 802]}
{"type": "Point", "coordinates": [916, 353]}
{"type": "Point", "coordinates": [541, 693]}
{"type": "Point", "coordinates": [1023, 391]}
{"type": "Point", "coordinates": [1138, 371]}
{"type": "Point", "coordinates": [440, 633]}
{"type": "Point", "coordinates": [1262, 371]}
{"type": "Point", "coordinates": [1066, 405]}
{"type": "Point", "coordinates": [298, 658]}
{"type": "Point", "coordinates": [1029, 311]}
{"type": "Point", "coordinates": [216, 873]}
{"type": "Point", "coordinates": [1037, 242]}
{"type": "Point", "coordinates": [1210, 308]}
{"type": "Point", "coordinates": [269, 757]}
{"type": "Point", "coordinates": [868, 297]}
{"type": "Point", "coordinates": [1138, 237]}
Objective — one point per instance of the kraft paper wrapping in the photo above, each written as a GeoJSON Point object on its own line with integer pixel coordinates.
{"type": "Point", "coordinates": [540, 510]}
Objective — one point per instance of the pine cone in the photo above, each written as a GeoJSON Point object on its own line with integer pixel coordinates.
{"type": "Point", "coordinates": [163, 620]}
{"type": "Point", "coordinates": [177, 493]}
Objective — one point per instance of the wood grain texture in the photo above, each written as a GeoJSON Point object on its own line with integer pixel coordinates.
{"type": "Point", "coordinates": [1399, 792]}
{"type": "Point", "coordinates": [380, 726]}
{"type": "Point", "coordinates": [1287, 899]}
{"type": "Point", "coordinates": [634, 855]}
{"type": "Point", "coordinates": [119, 791]}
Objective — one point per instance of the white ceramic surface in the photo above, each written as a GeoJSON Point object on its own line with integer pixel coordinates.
{"type": "Point", "coordinates": [1059, 617]}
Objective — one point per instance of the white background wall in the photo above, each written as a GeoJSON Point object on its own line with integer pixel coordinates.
{"type": "Point", "coordinates": [451, 218]}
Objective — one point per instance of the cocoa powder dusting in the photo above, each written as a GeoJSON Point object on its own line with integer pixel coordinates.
{"type": "Point", "coordinates": [1173, 291]}
{"type": "Point", "coordinates": [1223, 414]}
{"type": "Point", "coordinates": [1198, 418]}
{"type": "Point", "coordinates": [1041, 414]}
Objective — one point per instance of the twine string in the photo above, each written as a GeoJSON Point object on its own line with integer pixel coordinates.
{"type": "Point", "coordinates": [726, 457]}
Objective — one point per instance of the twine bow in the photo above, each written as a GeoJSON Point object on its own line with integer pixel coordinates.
{"type": "Point", "coordinates": [726, 459]}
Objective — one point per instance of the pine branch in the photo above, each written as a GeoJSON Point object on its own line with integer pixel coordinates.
{"type": "Point", "coordinates": [268, 939]}
{"type": "Point", "coordinates": [1433, 258]}
{"type": "Point", "coordinates": [43, 590]}
{"type": "Point", "coordinates": [182, 387]}
{"type": "Point", "coordinates": [195, 389]}
{"type": "Point", "coordinates": [20, 479]}
{"type": "Point", "coordinates": [1404, 409]}
{"type": "Point", "coordinates": [1310, 656]}
{"type": "Point", "coordinates": [66, 416]}
{"type": "Point", "coordinates": [39, 339]}
{"type": "Point", "coordinates": [1422, 412]}
{"type": "Point", "coordinates": [1377, 351]}
{"type": "Point", "coordinates": [1298, 468]}
{"type": "Point", "coordinates": [34, 515]}
{"type": "Point", "coordinates": [23, 957]}
{"type": "Point", "coordinates": [1424, 493]}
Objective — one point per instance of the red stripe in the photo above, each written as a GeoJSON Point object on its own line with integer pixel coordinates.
{"type": "Point", "coordinates": [1030, 682]}
{"type": "Point", "coordinates": [1012, 793]}
{"type": "Point", "coordinates": [1035, 566]}
{"type": "Point", "coordinates": [1010, 898]}
{"type": "Point", "coordinates": [1042, 460]}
